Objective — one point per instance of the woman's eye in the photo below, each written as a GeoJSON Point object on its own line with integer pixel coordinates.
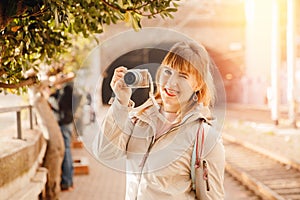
{"type": "Point", "coordinates": [183, 76]}
{"type": "Point", "coordinates": [168, 72]}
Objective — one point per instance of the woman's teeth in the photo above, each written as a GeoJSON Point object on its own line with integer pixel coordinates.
{"type": "Point", "coordinates": [170, 92]}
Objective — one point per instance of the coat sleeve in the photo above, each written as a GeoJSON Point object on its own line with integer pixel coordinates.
{"type": "Point", "coordinates": [110, 143]}
{"type": "Point", "coordinates": [210, 175]}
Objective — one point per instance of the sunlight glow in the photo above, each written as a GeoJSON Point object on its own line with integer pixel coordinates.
{"type": "Point", "coordinates": [249, 10]}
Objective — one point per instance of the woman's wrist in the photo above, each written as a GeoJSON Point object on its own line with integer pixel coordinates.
{"type": "Point", "coordinates": [128, 103]}
{"type": "Point", "coordinates": [123, 102]}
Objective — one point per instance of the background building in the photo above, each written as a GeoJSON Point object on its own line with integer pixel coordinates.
{"type": "Point", "coordinates": [247, 39]}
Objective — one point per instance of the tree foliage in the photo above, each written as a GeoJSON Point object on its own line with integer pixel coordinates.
{"type": "Point", "coordinates": [36, 32]}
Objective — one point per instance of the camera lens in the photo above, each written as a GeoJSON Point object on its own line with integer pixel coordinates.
{"type": "Point", "coordinates": [130, 78]}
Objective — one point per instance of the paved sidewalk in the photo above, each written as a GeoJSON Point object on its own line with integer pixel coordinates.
{"type": "Point", "coordinates": [101, 183]}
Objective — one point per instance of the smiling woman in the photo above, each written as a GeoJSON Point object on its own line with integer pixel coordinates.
{"type": "Point", "coordinates": [175, 88]}
{"type": "Point", "coordinates": [163, 139]}
{"type": "Point", "coordinates": [186, 75]}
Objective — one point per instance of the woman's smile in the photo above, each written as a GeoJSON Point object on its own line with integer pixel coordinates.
{"type": "Point", "coordinates": [170, 92]}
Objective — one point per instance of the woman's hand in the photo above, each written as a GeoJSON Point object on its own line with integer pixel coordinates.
{"type": "Point", "coordinates": [122, 92]}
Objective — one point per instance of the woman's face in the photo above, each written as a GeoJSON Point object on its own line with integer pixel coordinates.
{"type": "Point", "coordinates": [176, 88]}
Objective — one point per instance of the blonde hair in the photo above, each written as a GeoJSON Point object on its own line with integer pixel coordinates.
{"type": "Point", "coordinates": [193, 59]}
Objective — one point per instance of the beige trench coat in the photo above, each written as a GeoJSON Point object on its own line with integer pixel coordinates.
{"type": "Point", "coordinates": [160, 168]}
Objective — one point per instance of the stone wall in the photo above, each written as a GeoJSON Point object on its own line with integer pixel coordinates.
{"type": "Point", "coordinates": [20, 160]}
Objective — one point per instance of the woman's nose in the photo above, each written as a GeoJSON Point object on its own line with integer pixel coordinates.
{"type": "Point", "coordinates": [173, 80]}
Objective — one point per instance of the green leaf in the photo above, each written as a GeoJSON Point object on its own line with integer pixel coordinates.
{"type": "Point", "coordinates": [171, 9]}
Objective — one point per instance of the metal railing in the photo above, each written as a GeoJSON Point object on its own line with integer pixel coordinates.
{"type": "Point", "coordinates": [18, 110]}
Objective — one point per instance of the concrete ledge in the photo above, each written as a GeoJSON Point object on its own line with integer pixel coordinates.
{"type": "Point", "coordinates": [19, 161]}
{"type": "Point", "coordinates": [36, 185]}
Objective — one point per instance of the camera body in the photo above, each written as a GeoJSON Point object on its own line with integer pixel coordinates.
{"type": "Point", "coordinates": [137, 78]}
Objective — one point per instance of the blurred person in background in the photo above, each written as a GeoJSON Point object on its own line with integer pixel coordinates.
{"type": "Point", "coordinates": [66, 127]}
{"type": "Point", "coordinates": [61, 103]}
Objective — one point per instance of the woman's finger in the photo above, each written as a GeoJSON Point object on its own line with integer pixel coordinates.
{"type": "Point", "coordinates": [118, 74]}
{"type": "Point", "coordinates": [121, 69]}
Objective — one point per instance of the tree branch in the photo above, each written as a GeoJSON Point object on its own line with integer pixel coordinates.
{"type": "Point", "coordinates": [27, 82]}
{"type": "Point", "coordinates": [38, 13]}
{"type": "Point", "coordinates": [2, 71]}
{"type": "Point", "coordinates": [110, 5]}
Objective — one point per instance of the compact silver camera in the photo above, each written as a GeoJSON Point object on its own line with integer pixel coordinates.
{"type": "Point", "coordinates": [137, 78]}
